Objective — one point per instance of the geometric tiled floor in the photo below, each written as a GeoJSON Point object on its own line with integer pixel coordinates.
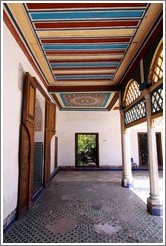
{"type": "Point", "coordinates": [76, 210]}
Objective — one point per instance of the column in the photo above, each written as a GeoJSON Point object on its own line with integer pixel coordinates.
{"type": "Point", "coordinates": [127, 180]}
{"type": "Point", "coordinates": [153, 203]}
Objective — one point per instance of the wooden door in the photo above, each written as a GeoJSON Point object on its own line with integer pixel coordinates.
{"type": "Point", "coordinates": [49, 132]}
{"type": "Point", "coordinates": [26, 150]}
{"type": "Point", "coordinates": [24, 169]}
{"type": "Point", "coordinates": [159, 149]}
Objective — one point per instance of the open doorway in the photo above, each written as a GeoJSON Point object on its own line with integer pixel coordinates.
{"type": "Point", "coordinates": [143, 148]}
{"type": "Point", "coordinates": [86, 151]}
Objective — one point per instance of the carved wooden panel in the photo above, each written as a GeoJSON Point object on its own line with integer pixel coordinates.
{"type": "Point", "coordinates": [48, 135]}
{"type": "Point", "coordinates": [29, 95]}
{"type": "Point", "coordinates": [23, 196]}
{"type": "Point", "coordinates": [50, 115]}
{"type": "Point", "coordinates": [49, 132]}
{"type": "Point", "coordinates": [31, 104]}
{"type": "Point", "coordinates": [30, 128]}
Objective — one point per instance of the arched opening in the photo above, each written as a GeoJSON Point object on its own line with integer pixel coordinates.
{"type": "Point", "coordinates": [132, 92]}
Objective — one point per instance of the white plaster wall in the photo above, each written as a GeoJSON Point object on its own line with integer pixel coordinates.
{"type": "Point", "coordinates": [52, 161]}
{"type": "Point", "coordinates": [11, 100]}
{"type": "Point", "coordinates": [107, 124]}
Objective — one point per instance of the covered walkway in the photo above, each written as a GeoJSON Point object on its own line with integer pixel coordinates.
{"type": "Point", "coordinates": [90, 207]}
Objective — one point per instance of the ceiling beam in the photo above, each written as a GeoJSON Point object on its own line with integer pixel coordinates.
{"type": "Point", "coordinates": [56, 101]}
{"type": "Point", "coordinates": [81, 52]}
{"type": "Point", "coordinates": [53, 88]}
{"type": "Point", "coordinates": [55, 6]}
{"type": "Point", "coordinates": [113, 101]}
{"type": "Point", "coordinates": [86, 24]}
{"type": "Point", "coordinates": [87, 40]}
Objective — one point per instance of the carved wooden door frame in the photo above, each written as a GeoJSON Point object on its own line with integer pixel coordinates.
{"type": "Point", "coordinates": [26, 150]}
{"type": "Point", "coordinates": [49, 133]}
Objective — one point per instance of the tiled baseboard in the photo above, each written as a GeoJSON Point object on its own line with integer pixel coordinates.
{"type": "Point", "coordinates": [9, 220]}
{"type": "Point", "coordinates": [101, 168]}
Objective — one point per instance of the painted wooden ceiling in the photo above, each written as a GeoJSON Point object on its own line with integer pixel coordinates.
{"type": "Point", "coordinates": [83, 49]}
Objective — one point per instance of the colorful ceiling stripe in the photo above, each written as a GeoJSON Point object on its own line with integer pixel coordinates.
{"type": "Point", "coordinates": [86, 15]}
{"type": "Point", "coordinates": [87, 40]}
{"type": "Point", "coordinates": [82, 44]}
{"type": "Point", "coordinates": [85, 24]}
{"type": "Point", "coordinates": [84, 64]}
{"type": "Point", "coordinates": [83, 77]}
{"type": "Point", "coordinates": [50, 6]}
{"type": "Point", "coordinates": [76, 37]}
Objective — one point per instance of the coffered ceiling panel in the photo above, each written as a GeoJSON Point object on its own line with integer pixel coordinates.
{"type": "Point", "coordinates": [84, 100]}
{"type": "Point", "coordinates": [83, 45]}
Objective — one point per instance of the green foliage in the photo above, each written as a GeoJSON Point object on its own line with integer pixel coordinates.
{"type": "Point", "coordinates": [86, 143]}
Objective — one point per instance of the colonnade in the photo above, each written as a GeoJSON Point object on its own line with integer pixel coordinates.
{"type": "Point", "coordinates": [153, 201]}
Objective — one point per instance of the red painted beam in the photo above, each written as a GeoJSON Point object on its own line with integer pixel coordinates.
{"type": "Point", "coordinates": [76, 74]}
{"type": "Point", "coordinates": [52, 88]}
{"type": "Point", "coordinates": [80, 69]}
{"type": "Point", "coordinates": [85, 24]}
{"type": "Point", "coordinates": [80, 80]}
{"type": "Point", "coordinates": [83, 52]}
{"type": "Point", "coordinates": [54, 6]}
{"type": "Point", "coordinates": [87, 60]}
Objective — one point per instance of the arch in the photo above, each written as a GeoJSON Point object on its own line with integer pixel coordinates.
{"type": "Point", "coordinates": [156, 67]}
{"type": "Point", "coordinates": [132, 92]}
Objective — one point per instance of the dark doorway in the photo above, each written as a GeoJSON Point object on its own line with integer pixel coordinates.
{"type": "Point", "coordinates": [86, 149]}
{"type": "Point", "coordinates": [159, 149]}
{"type": "Point", "coordinates": [143, 148]}
{"type": "Point", "coordinates": [38, 166]}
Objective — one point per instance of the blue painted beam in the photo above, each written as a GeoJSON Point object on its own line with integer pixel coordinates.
{"type": "Point", "coordinates": [84, 46]}
{"type": "Point", "coordinates": [77, 77]}
{"type": "Point", "coordinates": [88, 15]}
{"type": "Point", "coordinates": [84, 64]}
